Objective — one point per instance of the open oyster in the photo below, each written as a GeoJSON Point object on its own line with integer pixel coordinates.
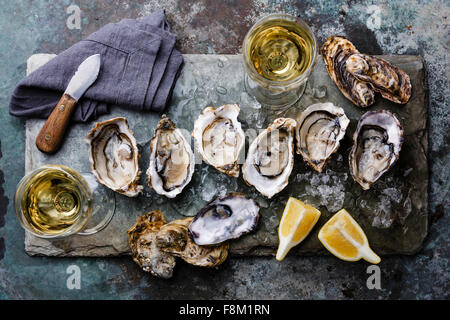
{"type": "Point", "coordinates": [114, 156]}
{"type": "Point", "coordinates": [224, 218]}
{"type": "Point", "coordinates": [219, 138]}
{"type": "Point", "coordinates": [358, 75]}
{"type": "Point", "coordinates": [171, 160]}
{"type": "Point", "coordinates": [174, 238]}
{"type": "Point", "coordinates": [320, 128]}
{"type": "Point", "coordinates": [270, 158]}
{"type": "Point", "coordinates": [145, 252]}
{"type": "Point", "coordinates": [376, 146]}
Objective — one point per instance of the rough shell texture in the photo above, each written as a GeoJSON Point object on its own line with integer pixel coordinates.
{"type": "Point", "coordinates": [219, 138]}
{"type": "Point", "coordinates": [376, 147]}
{"type": "Point", "coordinates": [270, 158]}
{"type": "Point", "coordinates": [113, 154]}
{"type": "Point", "coordinates": [224, 218]}
{"type": "Point", "coordinates": [142, 240]}
{"type": "Point", "coordinates": [320, 128]}
{"type": "Point", "coordinates": [358, 75]}
{"type": "Point", "coordinates": [171, 160]}
{"type": "Point", "coordinates": [174, 238]}
{"type": "Point", "coordinates": [390, 81]}
{"type": "Point", "coordinates": [335, 52]}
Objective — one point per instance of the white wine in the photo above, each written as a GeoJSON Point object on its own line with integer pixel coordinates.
{"type": "Point", "coordinates": [280, 50]}
{"type": "Point", "coordinates": [51, 201]}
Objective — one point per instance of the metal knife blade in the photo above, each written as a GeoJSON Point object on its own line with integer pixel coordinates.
{"type": "Point", "coordinates": [84, 77]}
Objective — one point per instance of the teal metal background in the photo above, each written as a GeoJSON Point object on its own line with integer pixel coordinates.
{"type": "Point", "coordinates": [209, 26]}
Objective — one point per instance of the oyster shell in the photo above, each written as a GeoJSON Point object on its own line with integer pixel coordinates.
{"type": "Point", "coordinates": [270, 158]}
{"type": "Point", "coordinates": [219, 138]}
{"type": "Point", "coordinates": [358, 75]}
{"type": "Point", "coordinates": [171, 160]}
{"type": "Point", "coordinates": [390, 81]}
{"type": "Point", "coordinates": [114, 156]}
{"type": "Point", "coordinates": [335, 52]}
{"type": "Point", "coordinates": [174, 238]}
{"type": "Point", "coordinates": [224, 218]}
{"type": "Point", "coordinates": [376, 146]}
{"type": "Point", "coordinates": [320, 129]}
{"type": "Point", "coordinates": [145, 252]}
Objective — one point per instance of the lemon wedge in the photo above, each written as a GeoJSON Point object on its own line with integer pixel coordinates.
{"type": "Point", "coordinates": [344, 238]}
{"type": "Point", "coordinates": [296, 223]}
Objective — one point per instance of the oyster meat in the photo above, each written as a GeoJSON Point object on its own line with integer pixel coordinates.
{"type": "Point", "coordinates": [358, 75]}
{"type": "Point", "coordinates": [376, 146]}
{"type": "Point", "coordinates": [320, 129]}
{"type": "Point", "coordinates": [219, 138]}
{"type": "Point", "coordinates": [224, 218]}
{"type": "Point", "coordinates": [114, 156]}
{"type": "Point", "coordinates": [145, 252]}
{"type": "Point", "coordinates": [174, 238]}
{"type": "Point", "coordinates": [171, 160]}
{"type": "Point", "coordinates": [270, 158]}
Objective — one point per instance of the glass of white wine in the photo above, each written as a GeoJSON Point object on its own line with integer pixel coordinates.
{"type": "Point", "coordinates": [55, 201]}
{"type": "Point", "coordinates": [279, 54]}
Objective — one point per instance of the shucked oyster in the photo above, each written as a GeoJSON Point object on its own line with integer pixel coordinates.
{"type": "Point", "coordinates": [171, 160]}
{"type": "Point", "coordinates": [270, 158]}
{"type": "Point", "coordinates": [155, 244]}
{"type": "Point", "coordinates": [224, 218]}
{"type": "Point", "coordinates": [145, 252]}
{"type": "Point", "coordinates": [174, 238]}
{"type": "Point", "coordinates": [219, 138]}
{"type": "Point", "coordinates": [114, 156]}
{"type": "Point", "coordinates": [358, 75]}
{"type": "Point", "coordinates": [320, 128]}
{"type": "Point", "coordinates": [376, 146]}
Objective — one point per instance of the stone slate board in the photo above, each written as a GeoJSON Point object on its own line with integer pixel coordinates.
{"type": "Point", "coordinates": [393, 213]}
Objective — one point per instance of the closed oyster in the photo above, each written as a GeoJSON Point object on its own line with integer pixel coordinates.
{"type": "Point", "coordinates": [114, 156]}
{"type": "Point", "coordinates": [358, 75]}
{"type": "Point", "coordinates": [376, 146]}
{"type": "Point", "coordinates": [270, 158]}
{"type": "Point", "coordinates": [171, 160]}
{"type": "Point", "coordinates": [320, 128]}
{"type": "Point", "coordinates": [174, 238]}
{"type": "Point", "coordinates": [219, 138]}
{"type": "Point", "coordinates": [390, 81]}
{"type": "Point", "coordinates": [335, 52]}
{"type": "Point", "coordinates": [145, 252]}
{"type": "Point", "coordinates": [224, 218]}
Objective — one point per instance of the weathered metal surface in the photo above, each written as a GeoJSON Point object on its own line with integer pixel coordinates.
{"type": "Point", "coordinates": [376, 27]}
{"type": "Point", "coordinates": [393, 212]}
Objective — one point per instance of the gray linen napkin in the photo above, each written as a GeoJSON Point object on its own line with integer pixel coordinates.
{"type": "Point", "coordinates": [139, 69]}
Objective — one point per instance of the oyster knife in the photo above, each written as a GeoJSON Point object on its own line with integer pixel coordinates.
{"type": "Point", "coordinates": [51, 135]}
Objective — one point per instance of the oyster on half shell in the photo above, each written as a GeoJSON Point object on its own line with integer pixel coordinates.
{"type": "Point", "coordinates": [376, 146]}
{"type": "Point", "coordinates": [270, 158]}
{"type": "Point", "coordinates": [224, 218]}
{"type": "Point", "coordinates": [171, 160]}
{"type": "Point", "coordinates": [219, 138]}
{"type": "Point", "coordinates": [114, 156]}
{"type": "Point", "coordinates": [320, 129]}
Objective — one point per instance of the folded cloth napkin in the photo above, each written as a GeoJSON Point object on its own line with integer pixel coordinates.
{"type": "Point", "coordinates": [139, 67]}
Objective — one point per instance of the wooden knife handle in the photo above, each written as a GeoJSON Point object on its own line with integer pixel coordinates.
{"type": "Point", "coordinates": [51, 135]}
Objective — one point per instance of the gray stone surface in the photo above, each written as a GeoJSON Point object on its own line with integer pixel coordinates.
{"type": "Point", "coordinates": [393, 212]}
